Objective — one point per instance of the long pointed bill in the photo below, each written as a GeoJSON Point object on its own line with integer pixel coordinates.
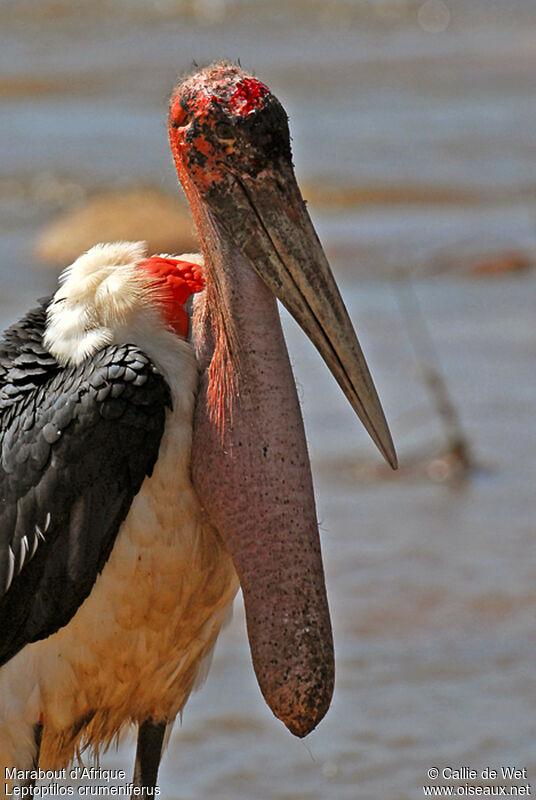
{"type": "Point", "coordinates": [267, 219]}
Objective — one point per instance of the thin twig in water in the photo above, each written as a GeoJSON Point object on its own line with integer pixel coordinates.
{"type": "Point", "coordinates": [458, 447]}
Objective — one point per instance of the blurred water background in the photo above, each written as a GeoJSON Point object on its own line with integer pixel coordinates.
{"type": "Point", "coordinates": [414, 132]}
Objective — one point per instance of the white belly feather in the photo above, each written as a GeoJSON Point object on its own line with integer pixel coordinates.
{"type": "Point", "coordinates": [134, 647]}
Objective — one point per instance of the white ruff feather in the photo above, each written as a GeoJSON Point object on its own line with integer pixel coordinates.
{"type": "Point", "coordinates": [104, 298]}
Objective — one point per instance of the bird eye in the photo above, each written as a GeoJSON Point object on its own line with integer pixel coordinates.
{"type": "Point", "coordinates": [224, 131]}
{"type": "Point", "coordinates": [179, 117]}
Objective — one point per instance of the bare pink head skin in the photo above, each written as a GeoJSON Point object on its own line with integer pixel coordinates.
{"type": "Point", "coordinates": [230, 141]}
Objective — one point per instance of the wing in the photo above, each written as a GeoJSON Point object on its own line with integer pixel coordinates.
{"type": "Point", "coordinates": [75, 447]}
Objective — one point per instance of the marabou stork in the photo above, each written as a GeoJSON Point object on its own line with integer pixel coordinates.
{"type": "Point", "coordinates": [145, 475]}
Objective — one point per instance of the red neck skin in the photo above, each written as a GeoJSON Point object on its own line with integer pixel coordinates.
{"type": "Point", "coordinates": [251, 470]}
{"type": "Point", "coordinates": [173, 280]}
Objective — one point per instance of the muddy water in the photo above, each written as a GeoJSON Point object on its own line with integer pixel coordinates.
{"type": "Point", "coordinates": [431, 584]}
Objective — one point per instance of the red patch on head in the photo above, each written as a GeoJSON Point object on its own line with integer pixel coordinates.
{"type": "Point", "coordinates": [173, 281]}
{"type": "Point", "coordinates": [247, 96]}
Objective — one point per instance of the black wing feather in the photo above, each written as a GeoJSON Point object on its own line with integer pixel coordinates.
{"type": "Point", "coordinates": [76, 444]}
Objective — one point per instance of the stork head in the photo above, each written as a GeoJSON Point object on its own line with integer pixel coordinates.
{"type": "Point", "coordinates": [230, 140]}
{"type": "Point", "coordinates": [222, 123]}
{"type": "Point", "coordinates": [114, 294]}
